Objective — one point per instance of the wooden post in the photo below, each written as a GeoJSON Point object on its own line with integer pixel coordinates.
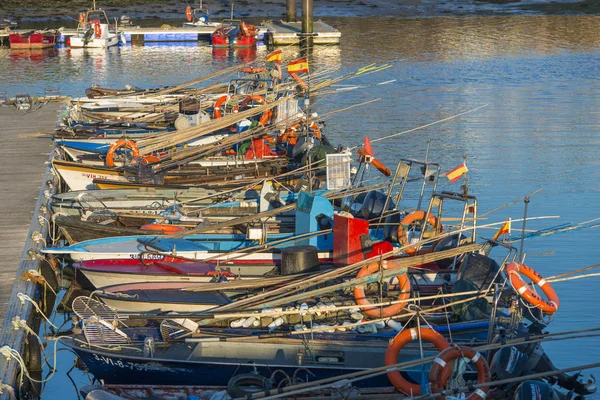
{"type": "Point", "coordinates": [290, 13]}
{"type": "Point", "coordinates": [307, 22]}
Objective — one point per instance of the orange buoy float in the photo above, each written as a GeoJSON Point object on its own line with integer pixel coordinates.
{"type": "Point", "coordinates": [167, 229]}
{"type": "Point", "coordinates": [125, 143]}
{"type": "Point", "coordinates": [251, 98]}
{"type": "Point", "coordinates": [253, 70]}
{"type": "Point", "coordinates": [97, 29]}
{"type": "Point", "coordinates": [380, 312]}
{"type": "Point", "coordinates": [266, 117]}
{"type": "Point", "coordinates": [149, 159]}
{"type": "Point", "coordinates": [188, 13]}
{"type": "Point", "coordinates": [549, 306]}
{"type": "Point", "coordinates": [439, 374]}
{"type": "Point", "coordinates": [396, 345]}
{"type": "Point", "coordinates": [415, 216]}
{"type": "Point", "coordinates": [217, 107]}
{"type": "Point", "coordinates": [374, 162]}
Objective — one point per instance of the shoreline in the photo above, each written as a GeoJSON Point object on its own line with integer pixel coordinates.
{"type": "Point", "coordinates": [26, 12]}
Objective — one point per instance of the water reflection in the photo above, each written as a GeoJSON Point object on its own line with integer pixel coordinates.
{"type": "Point", "coordinates": [34, 55]}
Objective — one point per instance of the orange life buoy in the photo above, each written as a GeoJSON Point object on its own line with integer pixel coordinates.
{"type": "Point", "coordinates": [188, 13]}
{"type": "Point", "coordinates": [439, 374]}
{"type": "Point", "coordinates": [217, 107]}
{"type": "Point", "coordinates": [97, 29]}
{"type": "Point", "coordinates": [393, 350]}
{"type": "Point", "coordinates": [167, 229]}
{"type": "Point", "coordinates": [265, 117]}
{"type": "Point", "coordinates": [251, 98]}
{"type": "Point", "coordinates": [415, 216]}
{"type": "Point", "coordinates": [374, 162]}
{"type": "Point", "coordinates": [81, 18]}
{"type": "Point", "coordinates": [549, 306]}
{"type": "Point", "coordinates": [126, 143]}
{"type": "Point", "coordinates": [380, 312]}
{"type": "Point", "coordinates": [253, 70]}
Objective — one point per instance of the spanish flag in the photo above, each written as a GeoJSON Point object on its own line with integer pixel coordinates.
{"type": "Point", "coordinates": [457, 172]}
{"type": "Point", "coordinates": [274, 57]}
{"type": "Point", "coordinates": [503, 230]}
{"type": "Point", "coordinates": [298, 66]}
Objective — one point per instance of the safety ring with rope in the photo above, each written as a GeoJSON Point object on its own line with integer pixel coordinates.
{"type": "Point", "coordinates": [121, 143]}
{"type": "Point", "coordinates": [221, 102]}
{"type": "Point", "coordinates": [440, 371]}
{"type": "Point", "coordinates": [414, 217]}
{"type": "Point", "coordinates": [381, 312]}
{"type": "Point", "coordinates": [514, 271]}
{"type": "Point", "coordinates": [398, 343]}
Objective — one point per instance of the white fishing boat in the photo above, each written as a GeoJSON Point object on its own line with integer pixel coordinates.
{"type": "Point", "coordinates": [94, 30]}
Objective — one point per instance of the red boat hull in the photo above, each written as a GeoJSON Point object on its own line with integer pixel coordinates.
{"type": "Point", "coordinates": [32, 41]}
{"type": "Point", "coordinates": [240, 41]}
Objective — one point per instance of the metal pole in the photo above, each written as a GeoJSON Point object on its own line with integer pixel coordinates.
{"type": "Point", "coordinates": [290, 13]}
{"type": "Point", "coordinates": [523, 230]}
{"type": "Point", "coordinates": [307, 22]}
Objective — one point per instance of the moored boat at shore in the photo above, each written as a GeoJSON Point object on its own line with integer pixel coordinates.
{"type": "Point", "coordinates": [34, 39]}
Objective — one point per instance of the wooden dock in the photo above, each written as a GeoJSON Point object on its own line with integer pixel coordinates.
{"type": "Point", "coordinates": [25, 182]}
{"type": "Point", "coordinates": [22, 156]}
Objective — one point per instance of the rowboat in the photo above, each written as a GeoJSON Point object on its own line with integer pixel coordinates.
{"type": "Point", "coordinates": [234, 33]}
{"type": "Point", "coordinates": [34, 39]}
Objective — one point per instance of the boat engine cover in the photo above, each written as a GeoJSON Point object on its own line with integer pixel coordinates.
{"type": "Point", "coordinates": [535, 390]}
{"type": "Point", "coordinates": [508, 362]}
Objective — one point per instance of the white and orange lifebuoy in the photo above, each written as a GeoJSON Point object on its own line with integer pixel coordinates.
{"type": "Point", "coordinates": [439, 373]}
{"type": "Point", "coordinates": [166, 229]}
{"type": "Point", "coordinates": [97, 29]}
{"type": "Point", "coordinates": [396, 345]}
{"type": "Point", "coordinates": [188, 13]}
{"type": "Point", "coordinates": [217, 107]}
{"type": "Point", "coordinates": [380, 312]}
{"type": "Point", "coordinates": [549, 306]}
{"type": "Point", "coordinates": [81, 18]}
{"type": "Point", "coordinates": [125, 143]}
{"type": "Point", "coordinates": [415, 216]}
{"type": "Point", "coordinates": [374, 162]}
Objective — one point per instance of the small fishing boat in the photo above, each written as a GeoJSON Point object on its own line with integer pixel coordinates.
{"type": "Point", "coordinates": [34, 39]}
{"type": "Point", "coordinates": [94, 30]}
{"type": "Point", "coordinates": [198, 17]}
{"type": "Point", "coordinates": [234, 33]}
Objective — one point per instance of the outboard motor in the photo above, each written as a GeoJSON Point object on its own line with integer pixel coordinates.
{"type": "Point", "coordinates": [535, 390]}
{"type": "Point", "coordinates": [373, 204]}
{"type": "Point", "coordinates": [508, 362]}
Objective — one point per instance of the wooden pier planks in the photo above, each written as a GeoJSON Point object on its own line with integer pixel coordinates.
{"type": "Point", "coordinates": [22, 156]}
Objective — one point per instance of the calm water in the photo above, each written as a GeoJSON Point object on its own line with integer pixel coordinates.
{"type": "Point", "coordinates": [539, 77]}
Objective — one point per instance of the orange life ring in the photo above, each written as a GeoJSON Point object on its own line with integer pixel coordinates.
{"type": "Point", "coordinates": [188, 13]}
{"type": "Point", "coordinates": [414, 216]}
{"type": "Point", "coordinates": [549, 306]}
{"type": "Point", "coordinates": [81, 18]}
{"type": "Point", "coordinates": [248, 99]}
{"type": "Point", "coordinates": [129, 144]}
{"type": "Point", "coordinates": [439, 374]}
{"type": "Point", "coordinates": [380, 312]}
{"type": "Point", "coordinates": [97, 29]}
{"type": "Point", "coordinates": [217, 107]}
{"type": "Point", "coordinates": [374, 162]}
{"type": "Point", "coordinates": [393, 350]}
{"type": "Point", "coordinates": [252, 70]}
{"type": "Point", "coordinates": [167, 229]}
{"type": "Point", "coordinates": [265, 117]}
